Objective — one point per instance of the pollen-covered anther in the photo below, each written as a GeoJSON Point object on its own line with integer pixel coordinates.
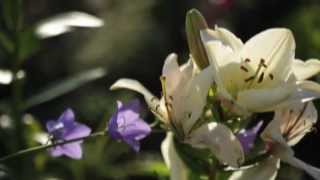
{"type": "Point", "coordinates": [262, 63]}
{"type": "Point", "coordinates": [169, 105]}
{"type": "Point", "coordinates": [244, 69]}
{"type": "Point", "coordinates": [189, 115]}
{"type": "Point", "coordinates": [249, 79]}
{"type": "Point", "coordinates": [271, 76]}
{"type": "Point", "coordinates": [261, 77]}
{"type": "Point", "coordinates": [247, 60]}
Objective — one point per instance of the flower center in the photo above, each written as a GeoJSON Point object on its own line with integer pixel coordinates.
{"type": "Point", "coordinates": [58, 131]}
{"type": "Point", "coordinates": [259, 73]}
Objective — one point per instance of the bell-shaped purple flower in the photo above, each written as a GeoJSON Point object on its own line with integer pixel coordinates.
{"type": "Point", "coordinates": [66, 128]}
{"type": "Point", "coordinates": [126, 124]}
{"type": "Point", "coordinates": [247, 137]}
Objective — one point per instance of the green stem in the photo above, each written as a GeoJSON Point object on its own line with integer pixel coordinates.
{"type": "Point", "coordinates": [43, 147]}
{"type": "Point", "coordinates": [212, 172]}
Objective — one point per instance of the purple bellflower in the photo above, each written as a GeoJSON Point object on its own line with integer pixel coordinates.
{"type": "Point", "coordinates": [126, 124]}
{"type": "Point", "coordinates": [66, 128]}
{"type": "Point", "coordinates": [247, 137]}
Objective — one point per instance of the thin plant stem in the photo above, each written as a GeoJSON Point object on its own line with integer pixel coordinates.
{"type": "Point", "coordinates": [43, 147]}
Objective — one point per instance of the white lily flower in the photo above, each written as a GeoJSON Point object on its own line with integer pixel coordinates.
{"type": "Point", "coordinates": [185, 91]}
{"type": "Point", "coordinates": [178, 170]}
{"type": "Point", "coordinates": [260, 75]}
{"type": "Point", "coordinates": [287, 128]}
{"type": "Point", "coordinates": [184, 94]}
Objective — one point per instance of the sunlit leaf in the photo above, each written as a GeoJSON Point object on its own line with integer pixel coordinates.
{"type": "Point", "coordinates": [64, 86]}
{"type": "Point", "coordinates": [66, 22]}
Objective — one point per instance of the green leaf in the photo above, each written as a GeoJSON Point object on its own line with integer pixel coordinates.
{"type": "Point", "coordinates": [65, 86]}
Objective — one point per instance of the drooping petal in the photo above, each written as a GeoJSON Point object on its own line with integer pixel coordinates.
{"type": "Point", "coordinates": [247, 137]}
{"type": "Point", "coordinates": [304, 70]}
{"type": "Point", "coordinates": [134, 85]}
{"type": "Point", "coordinates": [221, 141]}
{"type": "Point", "coordinates": [275, 49]}
{"type": "Point", "coordinates": [72, 150]}
{"type": "Point", "coordinates": [178, 170]}
{"type": "Point", "coordinates": [296, 121]}
{"type": "Point", "coordinates": [264, 170]}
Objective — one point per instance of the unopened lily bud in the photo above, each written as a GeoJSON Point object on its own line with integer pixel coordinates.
{"type": "Point", "coordinates": [195, 22]}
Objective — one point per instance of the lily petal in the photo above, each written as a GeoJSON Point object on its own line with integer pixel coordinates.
{"type": "Point", "coordinates": [223, 35]}
{"type": "Point", "coordinates": [178, 170]}
{"type": "Point", "coordinates": [276, 48]}
{"type": "Point", "coordinates": [218, 54]}
{"type": "Point", "coordinates": [304, 70]}
{"type": "Point", "coordinates": [264, 170]}
{"type": "Point", "coordinates": [221, 141]}
{"type": "Point", "coordinates": [262, 100]}
{"type": "Point", "coordinates": [296, 121]}
{"type": "Point", "coordinates": [197, 96]}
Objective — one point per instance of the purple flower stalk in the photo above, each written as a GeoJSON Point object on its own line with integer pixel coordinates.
{"type": "Point", "coordinates": [247, 137]}
{"type": "Point", "coordinates": [66, 128]}
{"type": "Point", "coordinates": [126, 124]}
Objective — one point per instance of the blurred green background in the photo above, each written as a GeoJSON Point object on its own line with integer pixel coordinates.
{"type": "Point", "coordinates": [133, 43]}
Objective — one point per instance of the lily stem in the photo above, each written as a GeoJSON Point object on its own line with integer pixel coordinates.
{"type": "Point", "coordinates": [43, 147]}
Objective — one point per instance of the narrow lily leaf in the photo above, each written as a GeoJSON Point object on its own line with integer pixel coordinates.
{"type": "Point", "coordinates": [65, 86]}
{"type": "Point", "coordinates": [194, 24]}
{"type": "Point", "coordinates": [66, 22]}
